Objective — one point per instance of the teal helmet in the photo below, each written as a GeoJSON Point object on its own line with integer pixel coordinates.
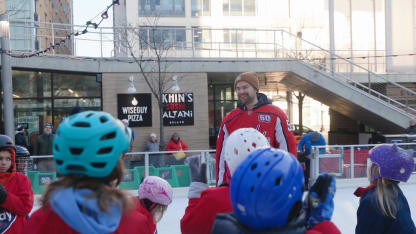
{"type": "Point", "coordinates": [90, 143]}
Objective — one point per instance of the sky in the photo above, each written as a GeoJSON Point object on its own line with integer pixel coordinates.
{"type": "Point", "coordinates": [90, 44]}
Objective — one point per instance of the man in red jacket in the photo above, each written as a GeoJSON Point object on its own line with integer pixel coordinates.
{"type": "Point", "coordinates": [253, 110]}
{"type": "Point", "coordinates": [204, 202]}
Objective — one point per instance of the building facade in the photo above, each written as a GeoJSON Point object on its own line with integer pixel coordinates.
{"type": "Point", "coordinates": [30, 24]}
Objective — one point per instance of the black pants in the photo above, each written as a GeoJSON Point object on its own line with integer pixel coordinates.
{"type": "Point", "coordinates": [306, 172]}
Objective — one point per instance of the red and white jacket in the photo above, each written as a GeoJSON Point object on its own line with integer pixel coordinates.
{"type": "Point", "coordinates": [268, 119]}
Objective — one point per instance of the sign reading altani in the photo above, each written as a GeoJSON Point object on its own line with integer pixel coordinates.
{"type": "Point", "coordinates": [178, 109]}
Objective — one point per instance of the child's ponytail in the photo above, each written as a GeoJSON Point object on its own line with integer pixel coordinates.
{"type": "Point", "coordinates": [386, 192]}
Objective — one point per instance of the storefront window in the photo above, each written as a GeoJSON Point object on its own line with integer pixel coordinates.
{"type": "Point", "coordinates": [36, 102]}
{"type": "Point", "coordinates": [63, 107]}
{"type": "Point", "coordinates": [31, 84]}
{"type": "Point", "coordinates": [74, 85]}
{"type": "Point", "coordinates": [221, 100]}
{"type": "Point", "coordinates": [33, 114]}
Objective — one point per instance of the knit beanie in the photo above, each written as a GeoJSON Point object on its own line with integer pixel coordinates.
{"type": "Point", "coordinates": [249, 77]}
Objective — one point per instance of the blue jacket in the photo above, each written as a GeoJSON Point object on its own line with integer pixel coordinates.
{"type": "Point", "coordinates": [370, 219]}
{"type": "Point", "coordinates": [307, 142]}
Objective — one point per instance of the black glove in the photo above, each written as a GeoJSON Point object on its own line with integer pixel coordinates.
{"type": "Point", "coordinates": [198, 170]}
{"type": "Point", "coordinates": [3, 194]}
{"type": "Point", "coordinates": [301, 156]}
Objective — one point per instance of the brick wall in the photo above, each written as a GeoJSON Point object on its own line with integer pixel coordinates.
{"type": "Point", "coordinates": [196, 136]}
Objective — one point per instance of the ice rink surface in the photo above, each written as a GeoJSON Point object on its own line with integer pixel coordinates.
{"type": "Point", "coordinates": [344, 216]}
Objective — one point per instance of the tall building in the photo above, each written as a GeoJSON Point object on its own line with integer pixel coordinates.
{"type": "Point", "coordinates": [366, 32]}
{"type": "Point", "coordinates": [366, 28]}
{"type": "Point", "coordinates": [31, 23]}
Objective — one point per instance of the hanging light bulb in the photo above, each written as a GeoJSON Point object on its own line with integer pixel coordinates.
{"type": "Point", "coordinates": [116, 2]}
{"type": "Point", "coordinates": [104, 15]}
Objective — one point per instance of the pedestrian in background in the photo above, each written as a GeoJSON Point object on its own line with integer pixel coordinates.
{"type": "Point", "coordinates": [412, 128]}
{"type": "Point", "coordinates": [20, 138]}
{"type": "Point", "coordinates": [43, 146]}
{"type": "Point", "coordinates": [152, 145]}
{"type": "Point", "coordinates": [305, 151]}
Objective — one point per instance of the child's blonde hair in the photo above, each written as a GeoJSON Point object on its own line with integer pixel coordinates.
{"type": "Point", "coordinates": [157, 210]}
{"type": "Point", "coordinates": [386, 191]}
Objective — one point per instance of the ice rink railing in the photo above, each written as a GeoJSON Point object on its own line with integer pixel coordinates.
{"type": "Point", "coordinates": [344, 161]}
{"type": "Point", "coordinates": [146, 159]}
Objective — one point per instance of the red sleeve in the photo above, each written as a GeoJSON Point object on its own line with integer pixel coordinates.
{"type": "Point", "coordinates": [188, 220]}
{"type": "Point", "coordinates": [184, 146]}
{"type": "Point", "coordinates": [218, 152]}
{"type": "Point", "coordinates": [325, 227]}
{"type": "Point", "coordinates": [170, 146]}
{"type": "Point", "coordinates": [284, 134]}
{"type": "Point", "coordinates": [200, 214]}
{"type": "Point", "coordinates": [21, 202]}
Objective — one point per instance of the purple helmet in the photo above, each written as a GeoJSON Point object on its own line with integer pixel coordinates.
{"type": "Point", "coordinates": [394, 162]}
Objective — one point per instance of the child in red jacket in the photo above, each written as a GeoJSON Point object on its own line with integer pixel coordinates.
{"type": "Point", "coordinates": [204, 203]}
{"type": "Point", "coordinates": [16, 194]}
{"type": "Point", "coordinates": [155, 194]}
{"type": "Point", "coordinates": [87, 148]}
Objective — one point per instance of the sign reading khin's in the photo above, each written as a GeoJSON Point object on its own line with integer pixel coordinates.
{"type": "Point", "coordinates": [178, 109]}
{"type": "Point", "coordinates": [136, 108]}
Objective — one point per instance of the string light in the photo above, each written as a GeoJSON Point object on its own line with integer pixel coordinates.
{"type": "Point", "coordinates": [104, 15]}
{"type": "Point", "coordinates": [57, 44]}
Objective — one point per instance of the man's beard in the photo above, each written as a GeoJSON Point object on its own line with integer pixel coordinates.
{"type": "Point", "coordinates": [248, 100]}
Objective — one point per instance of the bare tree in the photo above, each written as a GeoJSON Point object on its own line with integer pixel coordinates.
{"type": "Point", "coordinates": [149, 46]}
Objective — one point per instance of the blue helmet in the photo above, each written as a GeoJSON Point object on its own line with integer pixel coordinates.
{"type": "Point", "coordinates": [265, 187]}
{"type": "Point", "coordinates": [89, 143]}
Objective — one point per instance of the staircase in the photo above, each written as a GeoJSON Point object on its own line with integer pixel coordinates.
{"type": "Point", "coordinates": [370, 103]}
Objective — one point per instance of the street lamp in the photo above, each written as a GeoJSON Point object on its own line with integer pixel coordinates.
{"type": "Point", "coordinates": [6, 77]}
{"type": "Point", "coordinates": [131, 88]}
{"type": "Point", "coordinates": [175, 88]}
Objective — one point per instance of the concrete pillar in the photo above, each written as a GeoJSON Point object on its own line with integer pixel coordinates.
{"type": "Point", "coordinates": [7, 84]}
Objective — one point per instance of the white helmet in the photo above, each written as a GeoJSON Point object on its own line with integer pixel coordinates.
{"type": "Point", "coordinates": [156, 190]}
{"type": "Point", "coordinates": [241, 143]}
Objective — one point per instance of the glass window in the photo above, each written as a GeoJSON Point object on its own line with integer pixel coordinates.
{"type": "Point", "coordinates": [239, 7]}
{"type": "Point", "coordinates": [162, 37]}
{"type": "Point", "coordinates": [249, 7]}
{"type": "Point", "coordinates": [201, 7]}
{"type": "Point", "coordinates": [63, 107]}
{"type": "Point", "coordinates": [30, 84]}
{"type": "Point", "coordinates": [33, 113]}
{"type": "Point", "coordinates": [226, 7]}
{"type": "Point", "coordinates": [75, 85]}
{"type": "Point", "coordinates": [202, 38]}
{"type": "Point", "coordinates": [162, 7]}
{"type": "Point", "coordinates": [236, 7]}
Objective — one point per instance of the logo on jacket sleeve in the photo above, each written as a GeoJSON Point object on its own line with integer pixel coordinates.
{"type": "Point", "coordinates": [265, 118]}
{"type": "Point", "coordinates": [6, 220]}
